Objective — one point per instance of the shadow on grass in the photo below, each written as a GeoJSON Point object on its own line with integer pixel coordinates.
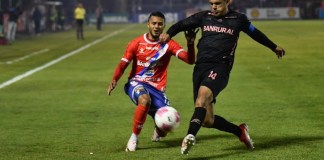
{"type": "Point", "coordinates": [267, 143]}
{"type": "Point", "coordinates": [176, 142]}
{"type": "Point", "coordinates": [263, 143]}
{"type": "Point", "coordinates": [276, 142]}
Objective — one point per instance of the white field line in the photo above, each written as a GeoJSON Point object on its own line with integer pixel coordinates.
{"type": "Point", "coordinates": [25, 57]}
{"type": "Point", "coordinates": [30, 72]}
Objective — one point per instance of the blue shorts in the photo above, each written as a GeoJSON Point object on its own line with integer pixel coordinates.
{"type": "Point", "coordinates": [158, 98]}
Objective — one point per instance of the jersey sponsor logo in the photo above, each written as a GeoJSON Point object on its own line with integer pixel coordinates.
{"type": "Point", "coordinates": [218, 29]}
{"type": "Point", "coordinates": [231, 17]}
{"type": "Point", "coordinates": [152, 48]}
{"type": "Point", "coordinates": [144, 64]}
{"type": "Point", "coordinates": [151, 80]}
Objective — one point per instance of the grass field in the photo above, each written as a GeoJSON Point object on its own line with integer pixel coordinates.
{"type": "Point", "coordinates": [63, 112]}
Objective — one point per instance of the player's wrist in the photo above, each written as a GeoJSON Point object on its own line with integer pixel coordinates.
{"type": "Point", "coordinates": [190, 43]}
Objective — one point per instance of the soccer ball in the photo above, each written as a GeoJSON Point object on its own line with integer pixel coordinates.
{"type": "Point", "coordinates": [167, 118]}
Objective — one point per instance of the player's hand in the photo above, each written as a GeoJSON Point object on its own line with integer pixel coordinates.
{"type": "Point", "coordinates": [111, 86]}
{"type": "Point", "coordinates": [280, 52]}
{"type": "Point", "coordinates": [191, 35]}
{"type": "Point", "coordinates": [164, 37]}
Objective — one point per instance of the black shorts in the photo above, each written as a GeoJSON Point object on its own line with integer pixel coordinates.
{"type": "Point", "coordinates": [213, 76]}
{"type": "Point", "coordinates": [79, 22]}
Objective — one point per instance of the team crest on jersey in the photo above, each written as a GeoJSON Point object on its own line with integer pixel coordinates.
{"type": "Point", "coordinates": [138, 89]}
{"type": "Point", "coordinates": [211, 13]}
{"type": "Point", "coordinates": [141, 50]}
{"type": "Point", "coordinates": [149, 73]}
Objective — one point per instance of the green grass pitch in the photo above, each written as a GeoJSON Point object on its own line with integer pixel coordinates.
{"type": "Point", "coordinates": [63, 112]}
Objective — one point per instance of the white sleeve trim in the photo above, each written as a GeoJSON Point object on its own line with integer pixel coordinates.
{"type": "Point", "coordinates": [125, 60]}
{"type": "Point", "coordinates": [180, 50]}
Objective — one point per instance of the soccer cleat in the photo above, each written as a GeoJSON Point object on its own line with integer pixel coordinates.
{"type": "Point", "coordinates": [157, 135]}
{"type": "Point", "coordinates": [187, 143]}
{"type": "Point", "coordinates": [245, 137]}
{"type": "Point", "coordinates": [131, 146]}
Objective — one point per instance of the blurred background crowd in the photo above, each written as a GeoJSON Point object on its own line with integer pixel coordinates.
{"type": "Point", "coordinates": [57, 15]}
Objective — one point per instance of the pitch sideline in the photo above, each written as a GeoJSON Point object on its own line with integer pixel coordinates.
{"type": "Point", "coordinates": [30, 72]}
{"type": "Point", "coordinates": [25, 57]}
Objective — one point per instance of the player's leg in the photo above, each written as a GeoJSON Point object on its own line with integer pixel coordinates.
{"type": "Point", "coordinates": [204, 98]}
{"type": "Point", "coordinates": [14, 30]}
{"type": "Point", "coordinates": [81, 30]}
{"type": "Point", "coordinates": [139, 96]}
{"type": "Point", "coordinates": [216, 85]}
{"type": "Point", "coordinates": [9, 31]}
{"type": "Point", "coordinates": [158, 100]}
{"type": "Point", "coordinates": [218, 122]}
{"type": "Point", "coordinates": [77, 29]}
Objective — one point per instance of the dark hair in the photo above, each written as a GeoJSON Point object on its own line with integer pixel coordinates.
{"type": "Point", "coordinates": [156, 14]}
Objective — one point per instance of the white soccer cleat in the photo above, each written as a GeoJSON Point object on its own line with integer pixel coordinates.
{"type": "Point", "coordinates": [131, 146]}
{"type": "Point", "coordinates": [155, 136]}
{"type": "Point", "coordinates": [158, 134]}
{"type": "Point", "coordinates": [187, 143]}
{"type": "Point", "coordinates": [245, 137]}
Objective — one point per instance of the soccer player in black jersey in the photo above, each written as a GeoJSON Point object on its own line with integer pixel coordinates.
{"type": "Point", "coordinates": [220, 28]}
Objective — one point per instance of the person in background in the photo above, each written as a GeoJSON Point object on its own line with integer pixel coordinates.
{"type": "Point", "coordinates": [14, 14]}
{"type": "Point", "coordinates": [215, 58]}
{"type": "Point", "coordinates": [1, 22]}
{"type": "Point", "coordinates": [53, 18]}
{"type": "Point", "coordinates": [61, 19]}
{"type": "Point", "coordinates": [147, 80]}
{"type": "Point", "coordinates": [99, 16]}
{"type": "Point", "coordinates": [79, 15]}
{"type": "Point", "coordinates": [37, 17]}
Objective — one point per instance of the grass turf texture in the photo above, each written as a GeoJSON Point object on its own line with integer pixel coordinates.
{"type": "Point", "coordinates": [63, 112]}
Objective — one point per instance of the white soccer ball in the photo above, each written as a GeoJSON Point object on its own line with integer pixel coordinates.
{"type": "Point", "coordinates": [167, 118]}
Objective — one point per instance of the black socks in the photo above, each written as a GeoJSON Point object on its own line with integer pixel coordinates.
{"type": "Point", "coordinates": [219, 123]}
{"type": "Point", "coordinates": [196, 120]}
{"type": "Point", "coordinates": [222, 124]}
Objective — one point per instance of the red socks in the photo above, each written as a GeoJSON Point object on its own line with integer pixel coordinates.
{"type": "Point", "coordinates": [139, 118]}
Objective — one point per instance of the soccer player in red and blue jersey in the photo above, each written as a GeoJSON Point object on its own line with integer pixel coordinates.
{"type": "Point", "coordinates": [148, 77]}
{"type": "Point", "coordinates": [220, 28]}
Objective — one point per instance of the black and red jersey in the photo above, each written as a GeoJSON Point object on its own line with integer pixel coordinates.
{"type": "Point", "coordinates": [219, 35]}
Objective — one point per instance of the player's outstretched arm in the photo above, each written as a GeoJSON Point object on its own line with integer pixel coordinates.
{"type": "Point", "coordinates": [279, 51]}
{"type": "Point", "coordinates": [119, 71]}
{"type": "Point", "coordinates": [111, 86]}
{"type": "Point", "coordinates": [190, 36]}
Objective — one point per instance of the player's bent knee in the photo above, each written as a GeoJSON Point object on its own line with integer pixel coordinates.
{"type": "Point", "coordinates": [208, 122]}
{"type": "Point", "coordinates": [144, 100]}
{"type": "Point", "coordinates": [207, 125]}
